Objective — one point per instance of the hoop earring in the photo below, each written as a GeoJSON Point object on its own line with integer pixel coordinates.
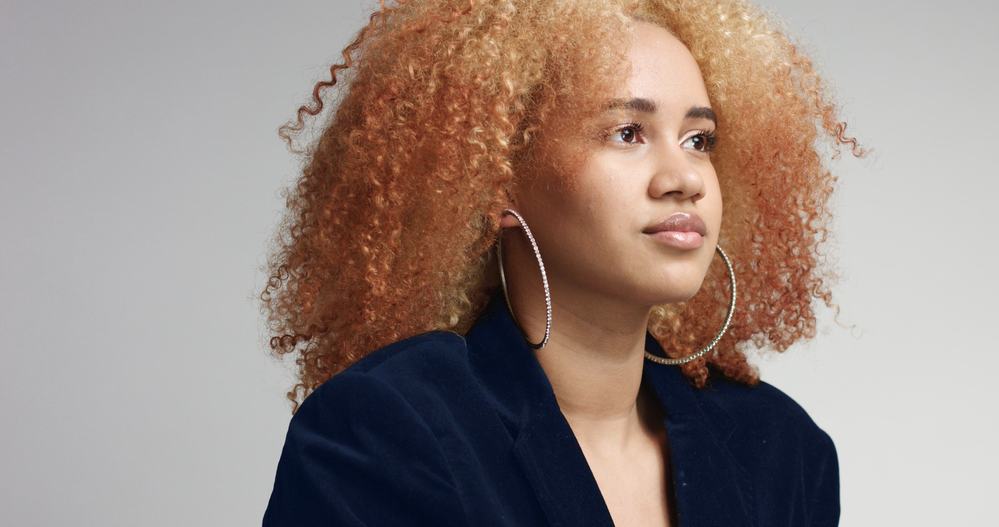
{"type": "Point", "coordinates": [548, 298]}
{"type": "Point", "coordinates": [728, 318]}
{"type": "Point", "coordinates": [544, 279]}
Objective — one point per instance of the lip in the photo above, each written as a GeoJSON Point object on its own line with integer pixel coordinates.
{"type": "Point", "coordinates": [683, 230]}
{"type": "Point", "coordinates": [680, 222]}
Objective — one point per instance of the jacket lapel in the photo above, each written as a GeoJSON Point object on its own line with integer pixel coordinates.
{"type": "Point", "coordinates": [711, 488]}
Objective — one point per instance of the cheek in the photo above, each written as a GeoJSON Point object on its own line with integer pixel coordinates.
{"type": "Point", "coordinates": [583, 230]}
{"type": "Point", "coordinates": [593, 215]}
{"type": "Point", "coordinates": [717, 198]}
{"type": "Point", "coordinates": [609, 207]}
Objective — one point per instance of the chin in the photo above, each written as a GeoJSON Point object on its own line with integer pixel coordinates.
{"type": "Point", "coordinates": [679, 296]}
{"type": "Point", "coordinates": [659, 294]}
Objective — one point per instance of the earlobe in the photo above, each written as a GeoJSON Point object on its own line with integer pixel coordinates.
{"type": "Point", "coordinates": [509, 220]}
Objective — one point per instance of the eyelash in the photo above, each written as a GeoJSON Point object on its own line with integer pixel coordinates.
{"type": "Point", "coordinates": [710, 136]}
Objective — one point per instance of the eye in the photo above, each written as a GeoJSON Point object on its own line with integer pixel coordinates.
{"type": "Point", "coordinates": [704, 140]}
{"type": "Point", "coordinates": [629, 130]}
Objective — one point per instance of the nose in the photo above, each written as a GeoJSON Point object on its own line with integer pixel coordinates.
{"type": "Point", "coordinates": [676, 174]}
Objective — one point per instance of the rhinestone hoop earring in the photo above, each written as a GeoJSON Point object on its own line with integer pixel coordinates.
{"type": "Point", "coordinates": [548, 297]}
{"type": "Point", "coordinates": [544, 278]}
{"type": "Point", "coordinates": [728, 318]}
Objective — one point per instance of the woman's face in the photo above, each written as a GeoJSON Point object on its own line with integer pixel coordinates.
{"type": "Point", "coordinates": [653, 162]}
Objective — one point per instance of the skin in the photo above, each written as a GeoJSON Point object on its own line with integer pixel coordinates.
{"type": "Point", "coordinates": [605, 275]}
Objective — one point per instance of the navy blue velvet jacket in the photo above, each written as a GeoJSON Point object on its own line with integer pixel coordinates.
{"type": "Point", "coordinates": [443, 429]}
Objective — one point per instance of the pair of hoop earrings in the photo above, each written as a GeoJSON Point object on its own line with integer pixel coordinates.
{"type": "Point", "coordinates": [548, 297]}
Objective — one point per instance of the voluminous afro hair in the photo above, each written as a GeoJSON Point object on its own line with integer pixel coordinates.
{"type": "Point", "coordinates": [438, 105]}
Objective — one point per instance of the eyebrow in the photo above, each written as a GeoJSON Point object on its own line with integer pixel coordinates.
{"type": "Point", "coordinates": [643, 105]}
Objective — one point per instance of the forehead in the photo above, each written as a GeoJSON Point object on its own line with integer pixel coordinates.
{"type": "Point", "coordinates": [662, 69]}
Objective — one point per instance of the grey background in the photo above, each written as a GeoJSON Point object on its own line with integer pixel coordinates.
{"type": "Point", "coordinates": [140, 176]}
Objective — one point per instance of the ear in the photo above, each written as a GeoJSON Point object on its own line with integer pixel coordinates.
{"type": "Point", "coordinates": [509, 220]}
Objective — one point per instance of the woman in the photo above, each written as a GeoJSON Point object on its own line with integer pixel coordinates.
{"type": "Point", "coordinates": [496, 271]}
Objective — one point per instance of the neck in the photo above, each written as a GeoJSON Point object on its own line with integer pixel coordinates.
{"type": "Point", "coordinates": [594, 360]}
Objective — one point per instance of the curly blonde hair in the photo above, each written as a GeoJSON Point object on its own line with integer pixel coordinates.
{"type": "Point", "coordinates": [439, 104]}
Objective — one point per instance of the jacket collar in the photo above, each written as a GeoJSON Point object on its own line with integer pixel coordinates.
{"type": "Point", "coordinates": [711, 488]}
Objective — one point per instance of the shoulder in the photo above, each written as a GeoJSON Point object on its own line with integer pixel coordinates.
{"type": "Point", "coordinates": [392, 387]}
{"type": "Point", "coordinates": [358, 437]}
{"type": "Point", "coordinates": [764, 409]}
{"type": "Point", "coordinates": [785, 452]}
{"type": "Point", "coordinates": [380, 392]}
{"type": "Point", "coordinates": [779, 442]}
{"type": "Point", "coordinates": [437, 347]}
{"type": "Point", "coordinates": [770, 427]}
{"type": "Point", "coordinates": [422, 363]}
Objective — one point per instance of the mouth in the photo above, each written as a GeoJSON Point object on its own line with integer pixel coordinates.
{"type": "Point", "coordinates": [682, 230]}
{"type": "Point", "coordinates": [679, 222]}
{"type": "Point", "coordinates": [680, 240]}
